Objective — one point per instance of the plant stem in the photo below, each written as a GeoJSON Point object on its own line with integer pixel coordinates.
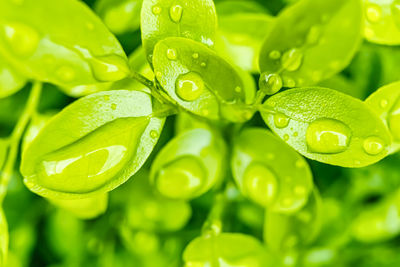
{"type": "Point", "coordinates": [213, 225]}
{"type": "Point", "coordinates": [143, 80]}
{"type": "Point", "coordinates": [16, 136]}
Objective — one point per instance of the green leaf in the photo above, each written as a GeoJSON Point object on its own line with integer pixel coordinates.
{"type": "Point", "coordinates": [194, 19]}
{"type": "Point", "coordinates": [120, 16]}
{"type": "Point", "coordinates": [382, 21]}
{"type": "Point", "coordinates": [229, 249]}
{"type": "Point", "coordinates": [270, 172]}
{"type": "Point", "coordinates": [240, 38]}
{"type": "Point", "coordinates": [85, 208]}
{"type": "Point", "coordinates": [385, 102]}
{"type": "Point", "coordinates": [3, 152]}
{"type": "Point", "coordinates": [3, 238]}
{"type": "Point", "coordinates": [306, 47]}
{"type": "Point", "coordinates": [327, 126]}
{"type": "Point", "coordinates": [379, 222]}
{"type": "Point", "coordinates": [92, 146]}
{"type": "Point", "coordinates": [190, 164]}
{"type": "Point", "coordinates": [226, 8]}
{"type": "Point", "coordinates": [39, 38]}
{"type": "Point", "coordinates": [10, 80]}
{"type": "Point", "coordinates": [285, 232]}
{"type": "Point", "coordinates": [200, 81]}
{"type": "Point", "coordinates": [186, 121]}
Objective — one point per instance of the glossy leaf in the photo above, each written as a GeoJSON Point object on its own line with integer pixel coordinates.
{"type": "Point", "coordinates": [378, 222]}
{"type": "Point", "coordinates": [147, 210]}
{"type": "Point", "coordinates": [225, 249]}
{"type": "Point", "coordinates": [85, 208]}
{"type": "Point", "coordinates": [226, 8]}
{"type": "Point", "coordinates": [60, 50]}
{"type": "Point", "coordinates": [92, 146]}
{"type": "Point", "coordinates": [194, 19]}
{"type": "Point", "coordinates": [120, 16]}
{"type": "Point", "coordinates": [270, 172]}
{"type": "Point", "coordinates": [240, 38]}
{"type": "Point", "coordinates": [304, 48]}
{"type": "Point", "coordinates": [3, 238]}
{"type": "Point", "coordinates": [11, 81]}
{"type": "Point", "coordinates": [327, 126]}
{"type": "Point", "coordinates": [190, 164]}
{"type": "Point", "coordinates": [385, 102]}
{"type": "Point", "coordinates": [200, 81]}
{"type": "Point", "coordinates": [380, 23]}
{"type": "Point", "coordinates": [285, 232]}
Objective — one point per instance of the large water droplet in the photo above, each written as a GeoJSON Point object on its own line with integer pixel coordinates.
{"type": "Point", "coordinates": [328, 136]}
{"type": "Point", "coordinates": [22, 39]}
{"type": "Point", "coordinates": [373, 145]}
{"type": "Point", "coordinates": [394, 120]}
{"type": "Point", "coordinates": [270, 83]}
{"type": "Point", "coordinates": [292, 59]}
{"type": "Point", "coordinates": [260, 183]}
{"type": "Point", "coordinates": [175, 13]}
{"type": "Point", "coordinates": [373, 13]}
{"type": "Point", "coordinates": [109, 68]}
{"type": "Point", "coordinates": [189, 86]}
{"type": "Point", "coordinates": [281, 120]}
{"type": "Point", "coordinates": [181, 178]}
{"type": "Point", "coordinates": [171, 54]}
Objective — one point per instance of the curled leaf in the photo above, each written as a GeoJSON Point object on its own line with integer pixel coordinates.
{"type": "Point", "coordinates": [194, 19]}
{"type": "Point", "coordinates": [190, 164]}
{"type": "Point", "coordinates": [200, 81]}
{"type": "Point", "coordinates": [57, 49]}
{"type": "Point", "coordinates": [328, 126]}
{"type": "Point", "coordinates": [270, 172]}
{"type": "Point", "coordinates": [92, 146]}
{"type": "Point", "coordinates": [304, 48]}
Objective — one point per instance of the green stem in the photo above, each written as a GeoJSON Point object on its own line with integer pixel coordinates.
{"type": "Point", "coordinates": [143, 80]}
{"type": "Point", "coordinates": [16, 136]}
{"type": "Point", "coordinates": [213, 225]}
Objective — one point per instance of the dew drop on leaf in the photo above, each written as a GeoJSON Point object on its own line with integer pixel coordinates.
{"type": "Point", "coordinates": [153, 134]}
{"type": "Point", "coordinates": [156, 10]}
{"type": "Point", "coordinates": [275, 54]}
{"type": "Point", "coordinates": [113, 106]}
{"type": "Point", "coordinates": [22, 39]}
{"type": "Point", "coordinates": [109, 68]}
{"type": "Point", "coordinates": [373, 145]}
{"type": "Point", "coordinates": [281, 120]}
{"type": "Point", "coordinates": [189, 86]}
{"type": "Point", "coordinates": [171, 54]}
{"type": "Point", "coordinates": [175, 13]}
{"type": "Point", "coordinates": [328, 136]}
{"type": "Point", "coordinates": [313, 35]}
{"type": "Point", "coordinates": [270, 83]}
{"type": "Point", "coordinates": [260, 183]}
{"type": "Point", "coordinates": [195, 55]}
{"type": "Point", "coordinates": [373, 13]}
{"type": "Point", "coordinates": [181, 177]}
{"type": "Point", "coordinates": [292, 59]}
{"type": "Point", "coordinates": [65, 73]}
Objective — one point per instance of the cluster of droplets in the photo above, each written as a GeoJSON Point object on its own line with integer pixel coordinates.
{"type": "Point", "coordinates": [175, 12]}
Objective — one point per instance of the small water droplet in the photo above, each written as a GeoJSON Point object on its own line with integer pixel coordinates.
{"type": "Point", "coordinates": [328, 136]}
{"type": "Point", "coordinates": [171, 54]}
{"type": "Point", "coordinates": [292, 59]}
{"type": "Point", "coordinates": [373, 145]}
{"type": "Point", "coordinates": [153, 134]}
{"type": "Point", "coordinates": [300, 163]}
{"type": "Point", "coordinates": [270, 83]}
{"type": "Point", "coordinates": [286, 137]}
{"type": "Point", "coordinates": [313, 35]}
{"type": "Point", "coordinates": [369, 33]}
{"type": "Point", "coordinates": [274, 54]}
{"type": "Point", "coordinates": [109, 68]}
{"type": "Point", "coordinates": [175, 13]}
{"type": "Point", "coordinates": [189, 86]}
{"type": "Point", "coordinates": [295, 134]}
{"type": "Point", "coordinates": [384, 103]}
{"type": "Point", "coordinates": [22, 39]}
{"type": "Point", "coordinates": [106, 97]}
{"type": "Point", "coordinates": [156, 10]}
{"type": "Point", "coordinates": [260, 183]}
{"type": "Point", "coordinates": [373, 13]}
{"type": "Point", "coordinates": [90, 26]}
{"type": "Point", "coordinates": [238, 89]}
{"type": "Point", "coordinates": [287, 202]}
{"type": "Point", "coordinates": [113, 106]}
{"type": "Point", "coordinates": [65, 73]}
{"type": "Point", "coordinates": [288, 82]}
{"type": "Point", "coordinates": [158, 75]}
{"type": "Point", "coordinates": [205, 112]}
{"type": "Point", "coordinates": [203, 64]}
{"type": "Point", "coordinates": [195, 55]}
{"type": "Point", "coordinates": [300, 190]}
{"type": "Point", "coordinates": [281, 120]}
{"type": "Point", "coordinates": [181, 178]}
{"type": "Point", "coordinates": [270, 156]}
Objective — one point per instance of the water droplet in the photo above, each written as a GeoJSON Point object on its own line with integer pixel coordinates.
{"type": "Point", "coordinates": [109, 68]}
{"type": "Point", "coordinates": [313, 35]}
{"type": "Point", "coordinates": [260, 183]}
{"type": "Point", "coordinates": [153, 134]}
{"type": "Point", "coordinates": [328, 136]}
{"type": "Point", "coordinates": [292, 59]}
{"type": "Point", "coordinates": [203, 64]}
{"type": "Point", "coordinates": [156, 10]}
{"type": "Point", "coordinates": [270, 83]}
{"type": "Point", "coordinates": [374, 13]}
{"type": "Point", "coordinates": [181, 178]}
{"type": "Point", "coordinates": [286, 137]}
{"type": "Point", "coordinates": [195, 55]}
{"type": "Point", "coordinates": [300, 190]}
{"type": "Point", "coordinates": [238, 89]}
{"type": "Point", "coordinates": [171, 54]}
{"type": "Point", "coordinates": [106, 97]}
{"type": "Point", "coordinates": [300, 163]}
{"type": "Point", "coordinates": [369, 33]}
{"type": "Point", "coordinates": [113, 106]}
{"type": "Point", "coordinates": [287, 202]}
{"type": "Point", "coordinates": [175, 13]}
{"type": "Point", "coordinates": [90, 26]}
{"type": "Point", "coordinates": [158, 75]}
{"type": "Point", "coordinates": [373, 145]}
{"type": "Point", "coordinates": [22, 39]}
{"type": "Point", "coordinates": [295, 134]}
{"type": "Point", "coordinates": [274, 54]}
{"type": "Point", "coordinates": [189, 86]}
{"type": "Point", "coordinates": [270, 156]}
{"type": "Point", "coordinates": [65, 73]}
{"type": "Point", "coordinates": [281, 120]}
{"type": "Point", "coordinates": [288, 82]}
{"type": "Point", "coordinates": [384, 103]}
